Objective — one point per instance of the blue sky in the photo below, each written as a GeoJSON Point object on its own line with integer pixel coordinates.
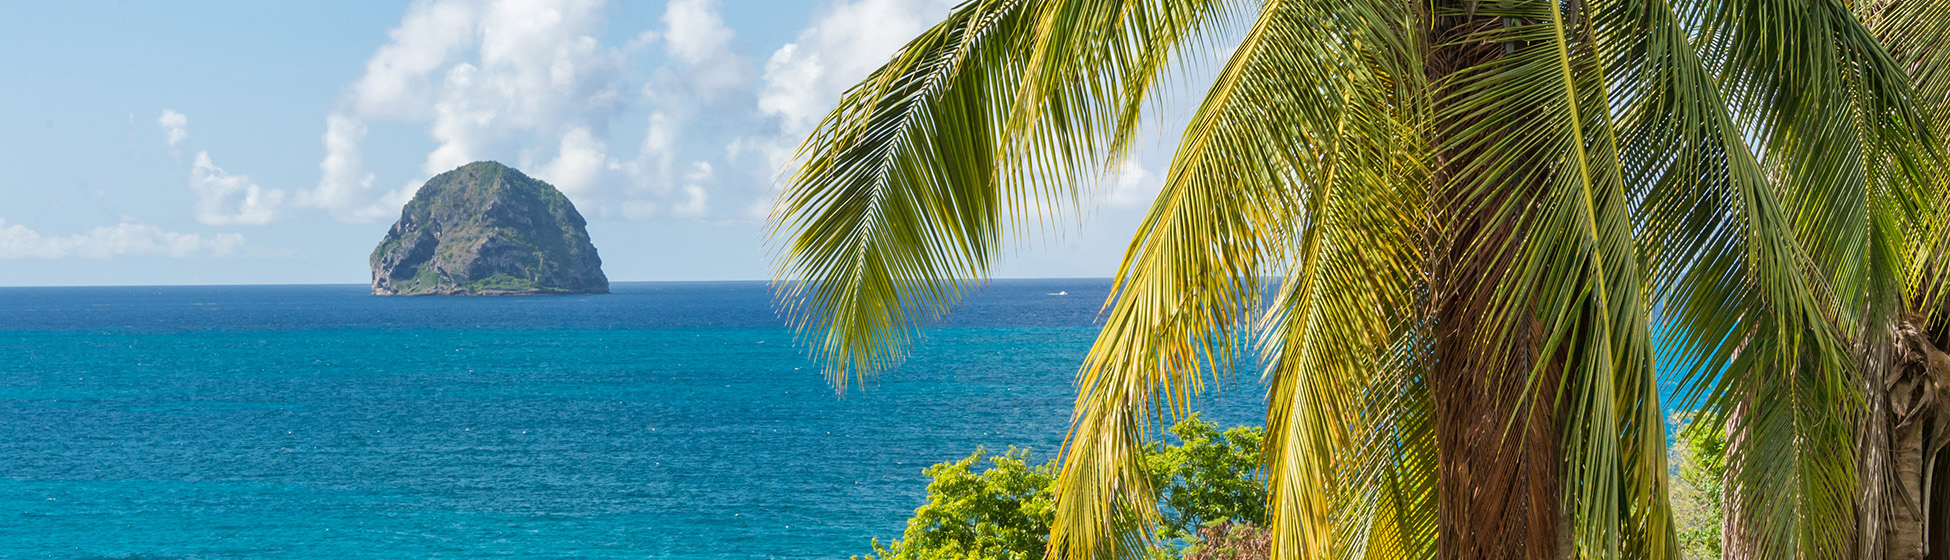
{"type": "Point", "coordinates": [273, 143]}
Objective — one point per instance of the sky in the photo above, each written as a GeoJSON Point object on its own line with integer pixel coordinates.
{"type": "Point", "coordinates": [274, 143]}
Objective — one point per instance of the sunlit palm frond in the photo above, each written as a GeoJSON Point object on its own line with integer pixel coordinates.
{"type": "Point", "coordinates": [1833, 122]}
{"type": "Point", "coordinates": [1094, 66]}
{"type": "Point", "coordinates": [897, 200]}
{"type": "Point", "coordinates": [1539, 156]}
{"type": "Point", "coordinates": [1916, 33]}
{"type": "Point", "coordinates": [1760, 171]}
{"type": "Point", "coordinates": [1386, 486]}
{"type": "Point", "coordinates": [1254, 177]}
{"type": "Point", "coordinates": [1735, 295]}
{"type": "Point", "coordinates": [1350, 447]}
{"type": "Point", "coordinates": [905, 192]}
{"type": "Point", "coordinates": [1178, 302]}
{"type": "Point", "coordinates": [1838, 131]}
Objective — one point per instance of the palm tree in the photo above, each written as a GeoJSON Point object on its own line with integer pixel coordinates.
{"type": "Point", "coordinates": [1486, 227]}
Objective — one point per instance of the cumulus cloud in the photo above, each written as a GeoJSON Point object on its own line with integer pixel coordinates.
{"type": "Point", "coordinates": [176, 127]}
{"type": "Point", "coordinates": [696, 35]}
{"type": "Point", "coordinates": [650, 173]}
{"type": "Point", "coordinates": [530, 83]}
{"type": "Point", "coordinates": [705, 75]}
{"type": "Point", "coordinates": [226, 199]}
{"type": "Point", "coordinates": [688, 197]}
{"type": "Point", "coordinates": [1132, 185]}
{"type": "Point", "coordinates": [695, 202]}
{"type": "Point", "coordinates": [580, 162]}
{"type": "Point", "coordinates": [400, 77]}
{"type": "Point", "coordinates": [487, 78]}
{"type": "Point", "coordinates": [124, 239]}
{"type": "Point", "coordinates": [658, 153]}
{"type": "Point", "coordinates": [345, 188]}
{"type": "Point", "coordinates": [804, 79]}
{"type": "Point", "coordinates": [695, 31]}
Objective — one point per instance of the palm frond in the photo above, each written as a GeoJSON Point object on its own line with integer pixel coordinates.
{"type": "Point", "coordinates": [1538, 153]}
{"type": "Point", "coordinates": [1735, 294]}
{"type": "Point", "coordinates": [905, 192]}
{"type": "Point", "coordinates": [1350, 447]}
{"type": "Point", "coordinates": [1916, 34]}
{"type": "Point", "coordinates": [1833, 123]}
{"type": "Point", "coordinates": [1255, 173]}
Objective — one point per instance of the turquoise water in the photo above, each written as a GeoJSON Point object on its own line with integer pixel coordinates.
{"type": "Point", "coordinates": [669, 420]}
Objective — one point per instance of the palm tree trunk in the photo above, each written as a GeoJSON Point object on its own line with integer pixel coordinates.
{"type": "Point", "coordinates": [1903, 435]}
{"type": "Point", "coordinates": [1498, 467]}
{"type": "Point", "coordinates": [1937, 529]}
{"type": "Point", "coordinates": [1499, 492]}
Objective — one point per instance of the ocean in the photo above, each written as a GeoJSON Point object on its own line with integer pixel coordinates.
{"type": "Point", "coordinates": [666, 420]}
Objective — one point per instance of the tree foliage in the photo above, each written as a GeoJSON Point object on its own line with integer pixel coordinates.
{"type": "Point", "coordinates": [1210, 476]}
{"type": "Point", "coordinates": [1503, 195]}
{"type": "Point", "coordinates": [999, 507]}
{"type": "Point", "coordinates": [1001, 512]}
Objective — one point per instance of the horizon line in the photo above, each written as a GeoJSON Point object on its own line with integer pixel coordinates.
{"type": "Point", "coordinates": [613, 282]}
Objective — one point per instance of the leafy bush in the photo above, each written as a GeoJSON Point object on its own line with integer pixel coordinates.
{"type": "Point", "coordinates": [1209, 477]}
{"type": "Point", "coordinates": [1000, 513]}
{"type": "Point", "coordinates": [1208, 487]}
{"type": "Point", "coordinates": [1212, 500]}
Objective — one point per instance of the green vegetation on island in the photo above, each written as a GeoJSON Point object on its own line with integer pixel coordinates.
{"type": "Point", "coordinates": [487, 229]}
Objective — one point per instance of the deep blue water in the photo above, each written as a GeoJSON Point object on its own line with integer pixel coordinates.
{"type": "Point", "coordinates": [667, 420]}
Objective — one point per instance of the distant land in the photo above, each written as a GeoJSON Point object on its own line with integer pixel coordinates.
{"type": "Point", "coordinates": [487, 229]}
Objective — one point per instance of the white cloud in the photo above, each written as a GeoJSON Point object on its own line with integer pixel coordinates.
{"type": "Point", "coordinates": [704, 76]}
{"type": "Point", "coordinates": [530, 82]}
{"type": "Point", "coordinates": [176, 127]}
{"type": "Point", "coordinates": [580, 163]}
{"type": "Point", "coordinates": [226, 199]}
{"type": "Point", "coordinates": [695, 202]}
{"type": "Point", "coordinates": [124, 239]}
{"type": "Point", "coordinates": [540, 71]}
{"type": "Point", "coordinates": [1132, 185]}
{"type": "Point", "coordinates": [804, 79]}
{"type": "Point", "coordinates": [396, 83]}
{"type": "Point", "coordinates": [696, 35]}
{"type": "Point", "coordinates": [345, 188]}
{"type": "Point", "coordinates": [488, 77]}
{"type": "Point", "coordinates": [695, 31]}
{"type": "Point", "coordinates": [659, 142]}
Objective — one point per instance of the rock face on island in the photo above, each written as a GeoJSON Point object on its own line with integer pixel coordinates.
{"type": "Point", "coordinates": [487, 229]}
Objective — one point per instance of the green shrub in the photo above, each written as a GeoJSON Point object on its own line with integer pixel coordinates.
{"type": "Point", "coordinates": [1211, 498]}
{"type": "Point", "coordinates": [1003, 512]}
{"type": "Point", "coordinates": [1210, 476]}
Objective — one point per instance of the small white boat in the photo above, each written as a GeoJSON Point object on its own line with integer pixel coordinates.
{"type": "Point", "coordinates": [1062, 293]}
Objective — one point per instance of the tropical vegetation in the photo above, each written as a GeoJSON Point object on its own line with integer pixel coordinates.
{"type": "Point", "coordinates": [1466, 241]}
{"type": "Point", "coordinates": [1699, 472]}
{"type": "Point", "coordinates": [1208, 481]}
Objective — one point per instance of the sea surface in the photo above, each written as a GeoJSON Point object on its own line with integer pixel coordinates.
{"type": "Point", "coordinates": [666, 420]}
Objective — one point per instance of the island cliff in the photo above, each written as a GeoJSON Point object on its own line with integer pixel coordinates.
{"type": "Point", "coordinates": [487, 229]}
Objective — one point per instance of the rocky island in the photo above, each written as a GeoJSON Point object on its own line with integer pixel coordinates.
{"type": "Point", "coordinates": [487, 229]}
